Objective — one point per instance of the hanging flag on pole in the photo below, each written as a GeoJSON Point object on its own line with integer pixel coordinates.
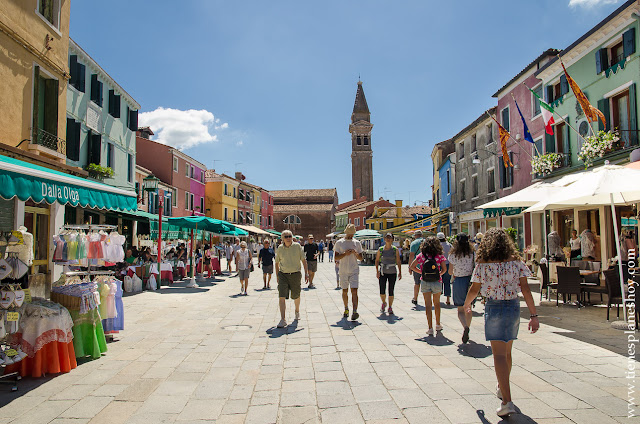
{"type": "Point", "coordinates": [547, 114]}
{"type": "Point", "coordinates": [527, 134]}
{"type": "Point", "coordinates": [592, 113]}
{"type": "Point", "coordinates": [504, 136]}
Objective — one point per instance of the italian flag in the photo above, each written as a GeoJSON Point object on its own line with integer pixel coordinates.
{"type": "Point", "coordinates": [547, 114]}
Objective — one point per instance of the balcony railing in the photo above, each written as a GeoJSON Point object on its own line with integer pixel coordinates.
{"type": "Point", "coordinates": [48, 140]}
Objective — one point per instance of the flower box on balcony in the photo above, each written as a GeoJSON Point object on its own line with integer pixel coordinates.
{"type": "Point", "coordinates": [98, 172]}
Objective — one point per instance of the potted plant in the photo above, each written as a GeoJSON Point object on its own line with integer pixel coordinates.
{"type": "Point", "coordinates": [598, 145]}
{"type": "Point", "coordinates": [545, 164]}
{"type": "Point", "coordinates": [512, 233]}
{"type": "Point", "coordinates": [99, 172]}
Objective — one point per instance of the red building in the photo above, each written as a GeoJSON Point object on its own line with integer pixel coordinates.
{"type": "Point", "coordinates": [266, 210]}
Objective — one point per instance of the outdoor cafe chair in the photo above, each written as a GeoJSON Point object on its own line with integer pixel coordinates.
{"type": "Point", "coordinates": [595, 278]}
{"type": "Point", "coordinates": [612, 281]}
{"type": "Point", "coordinates": [546, 284]}
{"type": "Point", "coordinates": [568, 283]}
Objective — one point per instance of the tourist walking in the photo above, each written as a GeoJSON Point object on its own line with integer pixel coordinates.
{"type": "Point", "coordinates": [288, 258]}
{"type": "Point", "coordinates": [243, 265]}
{"type": "Point", "coordinates": [446, 277]}
{"type": "Point", "coordinates": [330, 250]}
{"type": "Point", "coordinates": [414, 249]}
{"type": "Point", "coordinates": [311, 252]}
{"type": "Point", "coordinates": [388, 267]}
{"type": "Point", "coordinates": [265, 261]}
{"type": "Point", "coordinates": [321, 247]}
{"type": "Point", "coordinates": [337, 266]}
{"type": "Point", "coordinates": [430, 265]}
{"type": "Point", "coordinates": [461, 261]}
{"type": "Point", "coordinates": [348, 252]}
{"type": "Point", "coordinates": [228, 254]}
{"type": "Point", "coordinates": [499, 275]}
{"type": "Point", "coordinates": [209, 254]}
{"type": "Point", "coordinates": [236, 247]}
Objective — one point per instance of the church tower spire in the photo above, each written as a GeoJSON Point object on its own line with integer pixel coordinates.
{"type": "Point", "coordinates": [361, 153]}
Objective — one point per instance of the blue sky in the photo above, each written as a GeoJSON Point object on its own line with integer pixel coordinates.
{"type": "Point", "coordinates": [267, 87]}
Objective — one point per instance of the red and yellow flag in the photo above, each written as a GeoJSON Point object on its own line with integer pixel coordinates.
{"type": "Point", "coordinates": [504, 137]}
{"type": "Point", "coordinates": [592, 113]}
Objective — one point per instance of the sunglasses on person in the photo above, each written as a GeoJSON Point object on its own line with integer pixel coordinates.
{"type": "Point", "coordinates": [288, 236]}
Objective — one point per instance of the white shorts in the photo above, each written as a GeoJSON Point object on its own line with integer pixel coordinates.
{"type": "Point", "coordinates": [349, 281]}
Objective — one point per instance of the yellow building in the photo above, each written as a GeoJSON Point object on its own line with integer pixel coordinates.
{"type": "Point", "coordinates": [385, 217]}
{"type": "Point", "coordinates": [256, 198]}
{"type": "Point", "coordinates": [34, 45]}
{"type": "Point", "coordinates": [221, 196]}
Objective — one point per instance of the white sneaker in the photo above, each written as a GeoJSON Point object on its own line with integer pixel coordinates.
{"type": "Point", "coordinates": [282, 323]}
{"type": "Point", "coordinates": [506, 409]}
{"type": "Point", "coordinates": [430, 332]}
{"type": "Point", "coordinates": [438, 327]}
{"type": "Point", "coordinates": [297, 316]}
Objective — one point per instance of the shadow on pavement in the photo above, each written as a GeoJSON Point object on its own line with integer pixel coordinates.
{"type": "Point", "coordinates": [391, 319]}
{"type": "Point", "coordinates": [275, 332]}
{"type": "Point", "coordinates": [345, 324]}
{"type": "Point", "coordinates": [419, 308]}
{"type": "Point", "coordinates": [438, 340]}
{"type": "Point", "coordinates": [474, 350]}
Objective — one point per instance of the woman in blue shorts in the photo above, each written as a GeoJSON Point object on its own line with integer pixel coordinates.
{"type": "Point", "coordinates": [499, 275]}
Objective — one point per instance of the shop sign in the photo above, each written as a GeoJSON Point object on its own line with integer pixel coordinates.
{"type": "Point", "coordinates": [629, 222]}
{"type": "Point", "coordinates": [64, 194]}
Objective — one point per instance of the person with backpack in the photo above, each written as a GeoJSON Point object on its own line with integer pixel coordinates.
{"type": "Point", "coordinates": [461, 259]}
{"type": "Point", "coordinates": [387, 259]}
{"type": "Point", "coordinates": [321, 251]}
{"type": "Point", "coordinates": [430, 265]}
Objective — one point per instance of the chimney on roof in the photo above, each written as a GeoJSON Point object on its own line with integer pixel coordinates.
{"type": "Point", "coordinates": [145, 132]}
{"type": "Point", "coordinates": [239, 176]}
{"type": "Point", "coordinates": [357, 193]}
{"type": "Point", "coordinates": [399, 208]}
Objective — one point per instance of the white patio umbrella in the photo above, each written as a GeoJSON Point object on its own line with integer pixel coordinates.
{"type": "Point", "coordinates": [608, 185]}
{"type": "Point", "coordinates": [533, 194]}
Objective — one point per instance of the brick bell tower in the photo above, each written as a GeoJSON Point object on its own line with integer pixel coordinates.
{"type": "Point", "coordinates": [361, 153]}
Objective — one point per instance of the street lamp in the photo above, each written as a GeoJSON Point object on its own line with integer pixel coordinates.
{"type": "Point", "coordinates": [150, 184]}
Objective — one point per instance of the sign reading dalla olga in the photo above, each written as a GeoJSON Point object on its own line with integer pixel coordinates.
{"type": "Point", "coordinates": [63, 193]}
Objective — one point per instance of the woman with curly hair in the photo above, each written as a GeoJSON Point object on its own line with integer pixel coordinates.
{"type": "Point", "coordinates": [499, 275]}
{"type": "Point", "coordinates": [433, 261]}
{"type": "Point", "coordinates": [461, 258]}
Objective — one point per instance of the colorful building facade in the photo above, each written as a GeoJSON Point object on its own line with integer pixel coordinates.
{"type": "Point", "coordinates": [221, 196]}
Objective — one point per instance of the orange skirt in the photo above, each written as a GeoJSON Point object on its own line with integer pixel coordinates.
{"type": "Point", "coordinates": [53, 358]}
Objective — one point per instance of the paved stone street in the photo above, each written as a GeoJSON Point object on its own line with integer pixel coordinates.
{"type": "Point", "coordinates": [205, 355]}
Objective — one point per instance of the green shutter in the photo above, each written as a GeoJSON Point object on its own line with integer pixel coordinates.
{"type": "Point", "coordinates": [564, 85]}
{"type": "Point", "coordinates": [550, 142]}
{"type": "Point", "coordinates": [566, 145]}
{"type": "Point", "coordinates": [629, 42]}
{"type": "Point", "coordinates": [73, 70]}
{"type": "Point", "coordinates": [36, 101]}
{"type": "Point", "coordinates": [633, 115]}
{"type": "Point", "coordinates": [603, 105]}
{"type": "Point", "coordinates": [81, 72]}
{"type": "Point", "coordinates": [51, 106]}
{"type": "Point", "coordinates": [601, 60]}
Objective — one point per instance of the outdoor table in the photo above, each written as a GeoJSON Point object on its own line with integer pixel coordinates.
{"type": "Point", "coordinates": [585, 272]}
{"type": "Point", "coordinates": [166, 271]}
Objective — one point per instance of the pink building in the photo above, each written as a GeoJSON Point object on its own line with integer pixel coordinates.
{"type": "Point", "coordinates": [519, 176]}
{"type": "Point", "coordinates": [266, 210]}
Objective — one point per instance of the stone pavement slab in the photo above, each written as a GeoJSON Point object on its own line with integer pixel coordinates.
{"type": "Point", "coordinates": [208, 355]}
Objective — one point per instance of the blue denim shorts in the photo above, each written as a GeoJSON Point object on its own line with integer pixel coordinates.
{"type": "Point", "coordinates": [430, 287]}
{"type": "Point", "coordinates": [460, 288]}
{"type": "Point", "coordinates": [501, 320]}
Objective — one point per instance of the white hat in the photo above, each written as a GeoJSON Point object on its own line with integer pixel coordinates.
{"type": "Point", "coordinates": [351, 229]}
{"type": "Point", "coordinates": [441, 236]}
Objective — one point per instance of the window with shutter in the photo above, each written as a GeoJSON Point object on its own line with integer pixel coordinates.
{"type": "Point", "coordinates": [548, 93]}
{"type": "Point", "coordinates": [603, 106]}
{"type": "Point", "coordinates": [73, 69]}
{"type": "Point", "coordinates": [133, 120]}
{"type": "Point", "coordinates": [73, 139]}
{"type": "Point", "coordinates": [81, 74]}
{"type": "Point", "coordinates": [633, 115]}
{"type": "Point", "coordinates": [95, 147]}
{"type": "Point", "coordinates": [564, 85]}
{"type": "Point", "coordinates": [96, 90]}
{"type": "Point", "coordinates": [629, 42]}
{"type": "Point", "coordinates": [602, 60]}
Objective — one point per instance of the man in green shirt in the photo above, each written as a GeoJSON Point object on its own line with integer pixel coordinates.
{"type": "Point", "coordinates": [130, 259]}
{"type": "Point", "coordinates": [289, 255]}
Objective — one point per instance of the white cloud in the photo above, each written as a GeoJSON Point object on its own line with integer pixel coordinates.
{"type": "Point", "coordinates": [182, 129]}
{"type": "Point", "coordinates": [239, 143]}
{"type": "Point", "coordinates": [590, 3]}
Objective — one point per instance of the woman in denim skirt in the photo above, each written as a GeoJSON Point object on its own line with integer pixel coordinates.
{"type": "Point", "coordinates": [461, 260]}
{"type": "Point", "coordinates": [499, 275]}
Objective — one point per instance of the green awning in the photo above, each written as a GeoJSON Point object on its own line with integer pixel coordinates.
{"type": "Point", "coordinates": [491, 212]}
{"type": "Point", "coordinates": [26, 181]}
{"type": "Point", "coordinates": [279, 234]}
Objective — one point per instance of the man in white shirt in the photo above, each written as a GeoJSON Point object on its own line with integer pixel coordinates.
{"type": "Point", "coordinates": [348, 252]}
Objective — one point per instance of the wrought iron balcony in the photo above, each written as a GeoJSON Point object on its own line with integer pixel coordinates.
{"type": "Point", "coordinates": [48, 140]}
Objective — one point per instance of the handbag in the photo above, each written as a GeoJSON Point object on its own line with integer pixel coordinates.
{"type": "Point", "coordinates": [251, 267]}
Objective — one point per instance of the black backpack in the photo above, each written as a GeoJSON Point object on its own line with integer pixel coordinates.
{"type": "Point", "coordinates": [430, 270]}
